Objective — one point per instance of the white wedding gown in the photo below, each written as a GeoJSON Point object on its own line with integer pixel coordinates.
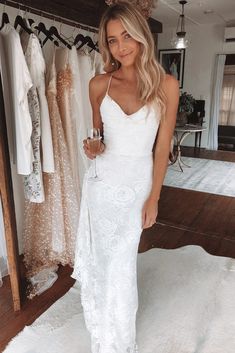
{"type": "Point", "coordinates": [110, 227]}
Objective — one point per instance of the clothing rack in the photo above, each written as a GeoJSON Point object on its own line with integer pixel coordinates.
{"type": "Point", "coordinates": [45, 14]}
{"type": "Point", "coordinates": [5, 177]}
{"type": "Point", "coordinates": [8, 206]}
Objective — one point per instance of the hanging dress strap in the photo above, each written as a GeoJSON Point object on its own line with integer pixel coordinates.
{"type": "Point", "coordinates": [107, 91]}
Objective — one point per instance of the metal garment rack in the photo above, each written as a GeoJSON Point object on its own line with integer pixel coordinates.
{"type": "Point", "coordinates": [41, 13]}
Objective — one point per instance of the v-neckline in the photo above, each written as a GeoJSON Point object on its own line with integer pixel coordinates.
{"type": "Point", "coordinates": [118, 105]}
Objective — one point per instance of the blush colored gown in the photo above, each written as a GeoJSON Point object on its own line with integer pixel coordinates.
{"type": "Point", "coordinates": [110, 227]}
{"type": "Point", "coordinates": [50, 227]}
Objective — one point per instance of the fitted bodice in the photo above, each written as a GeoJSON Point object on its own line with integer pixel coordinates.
{"type": "Point", "coordinates": [129, 135]}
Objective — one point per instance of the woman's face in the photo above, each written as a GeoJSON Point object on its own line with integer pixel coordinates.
{"type": "Point", "coordinates": [122, 46]}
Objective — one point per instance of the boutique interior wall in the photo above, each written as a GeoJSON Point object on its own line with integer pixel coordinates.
{"type": "Point", "coordinates": [48, 50]}
{"type": "Point", "coordinates": [206, 42]}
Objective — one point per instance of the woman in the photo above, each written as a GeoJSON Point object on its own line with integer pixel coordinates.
{"type": "Point", "coordinates": [131, 103]}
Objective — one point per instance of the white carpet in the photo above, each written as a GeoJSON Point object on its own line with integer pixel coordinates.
{"type": "Point", "coordinates": [186, 305]}
{"type": "Point", "coordinates": [216, 177]}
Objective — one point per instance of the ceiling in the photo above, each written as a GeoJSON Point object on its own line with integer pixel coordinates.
{"type": "Point", "coordinates": [220, 12]}
{"type": "Point", "coordinates": [166, 11]}
{"type": "Point", "coordinates": [87, 12]}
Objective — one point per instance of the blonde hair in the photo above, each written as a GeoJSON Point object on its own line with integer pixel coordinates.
{"type": "Point", "coordinates": [150, 74]}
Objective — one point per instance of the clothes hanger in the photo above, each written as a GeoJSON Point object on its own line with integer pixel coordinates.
{"type": "Point", "coordinates": [85, 40]}
{"type": "Point", "coordinates": [29, 21]}
{"type": "Point", "coordinates": [69, 39]}
{"type": "Point", "coordinates": [54, 32]}
{"type": "Point", "coordinates": [93, 46]}
{"type": "Point", "coordinates": [20, 21]}
{"type": "Point", "coordinates": [89, 42]}
{"type": "Point", "coordinates": [95, 43]}
{"type": "Point", "coordinates": [5, 20]}
{"type": "Point", "coordinates": [41, 28]}
{"type": "Point", "coordinates": [79, 38]}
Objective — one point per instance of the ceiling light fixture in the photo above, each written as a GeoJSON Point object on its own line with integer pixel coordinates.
{"type": "Point", "coordinates": [180, 41]}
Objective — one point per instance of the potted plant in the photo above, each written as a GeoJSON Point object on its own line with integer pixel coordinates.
{"type": "Point", "coordinates": [186, 106]}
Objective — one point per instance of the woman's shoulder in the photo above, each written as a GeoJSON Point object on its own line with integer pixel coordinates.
{"type": "Point", "coordinates": [170, 84]}
{"type": "Point", "coordinates": [171, 80]}
{"type": "Point", "coordinates": [98, 84]}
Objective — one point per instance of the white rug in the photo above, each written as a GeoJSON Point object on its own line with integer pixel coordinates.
{"type": "Point", "coordinates": [216, 177]}
{"type": "Point", "coordinates": [186, 305]}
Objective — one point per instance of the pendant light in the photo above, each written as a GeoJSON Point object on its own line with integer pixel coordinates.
{"type": "Point", "coordinates": [180, 41]}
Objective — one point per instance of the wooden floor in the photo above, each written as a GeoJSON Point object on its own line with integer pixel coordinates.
{"type": "Point", "coordinates": [185, 217]}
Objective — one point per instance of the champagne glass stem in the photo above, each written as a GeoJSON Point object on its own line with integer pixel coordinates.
{"type": "Point", "coordinates": [95, 176]}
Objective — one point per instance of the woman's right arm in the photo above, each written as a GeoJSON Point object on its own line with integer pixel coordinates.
{"type": "Point", "coordinates": [95, 91]}
{"type": "Point", "coordinates": [95, 88]}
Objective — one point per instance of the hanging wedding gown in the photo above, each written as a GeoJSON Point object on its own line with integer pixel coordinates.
{"type": "Point", "coordinates": [78, 113]}
{"type": "Point", "coordinates": [16, 81]}
{"type": "Point", "coordinates": [37, 68]}
{"type": "Point", "coordinates": [110, 227]}
{"type": "Point", "coordinates": [65, 105]}
{"type": "Point", "coordinates": [33, 183]}
{"type": "Point", "coordinates": [86, 65]}
{"type": "Point", "coordinates": [50, 227]}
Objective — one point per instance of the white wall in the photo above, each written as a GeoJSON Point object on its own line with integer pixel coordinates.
{"type": "Point", "coordinates": [206, 42]}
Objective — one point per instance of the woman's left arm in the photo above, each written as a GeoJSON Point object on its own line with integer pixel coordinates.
{"type": "Point", "coordinates": [162, 149]}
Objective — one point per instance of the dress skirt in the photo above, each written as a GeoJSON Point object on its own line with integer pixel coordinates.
{"type": "Point", "coordinates": [110, 227]}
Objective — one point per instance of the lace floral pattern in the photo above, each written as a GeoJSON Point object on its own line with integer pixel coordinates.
{"type": "Point", "coordinates": [41, 129]}
{"type": "Point", "coordinates": [33, 183]}
{"type": "Point", "coordinates": [107, 246]}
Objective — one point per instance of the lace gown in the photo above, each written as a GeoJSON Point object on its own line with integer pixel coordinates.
{"type": "Point", "coordinates": [50, 227]}
{"type": "Point", "coordinates": [64, 101]}
{"type": "Point", "coordinates": [110, 227]}
{"type": "Point", "coordinates": [33, 183]}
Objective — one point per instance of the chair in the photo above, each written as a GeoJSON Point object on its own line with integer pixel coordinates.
{"type": "Point", "coordinates": [226, 135]}
{"type": "Point", "coordinates": [196, 118]}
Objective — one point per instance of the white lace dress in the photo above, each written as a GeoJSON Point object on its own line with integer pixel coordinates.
{"type": "Point", "coordinates": [33, 183]}
{"type": "Point", "coordinates": [110, 227]}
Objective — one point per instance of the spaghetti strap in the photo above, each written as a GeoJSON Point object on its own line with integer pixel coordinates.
{"type": "Point", "coordinates": [107, 91]}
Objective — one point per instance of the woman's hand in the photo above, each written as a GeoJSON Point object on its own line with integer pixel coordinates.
{"type": "Point", "coordinates": [88, 152]}
{"type": "Point", "coordinates": [149, 213]}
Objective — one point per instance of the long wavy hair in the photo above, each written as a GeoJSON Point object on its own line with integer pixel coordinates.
{"type": "Point", "coordinates": [150, 74]}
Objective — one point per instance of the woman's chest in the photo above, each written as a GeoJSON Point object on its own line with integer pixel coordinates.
{"type": "Point", "coordinates": [127, 99]}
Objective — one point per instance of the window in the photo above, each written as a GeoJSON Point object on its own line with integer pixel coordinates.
{"type": "Point", "coordinates": [227, 107]}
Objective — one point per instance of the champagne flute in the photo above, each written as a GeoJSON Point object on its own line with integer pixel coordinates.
{"type": "Point", "coordinates": [94, 143]}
